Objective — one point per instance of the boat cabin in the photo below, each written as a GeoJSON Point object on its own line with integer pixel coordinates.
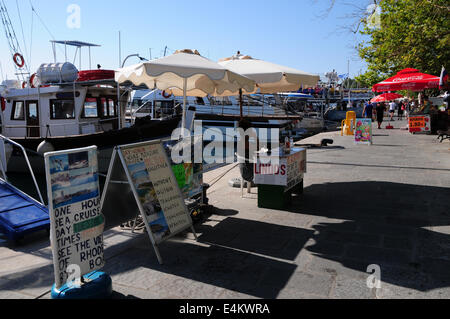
{"type": "Point", "coordinates": [60, 110]}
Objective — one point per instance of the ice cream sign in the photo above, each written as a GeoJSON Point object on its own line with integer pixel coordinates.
{"type": "Point", "coordinates": [418, 124]}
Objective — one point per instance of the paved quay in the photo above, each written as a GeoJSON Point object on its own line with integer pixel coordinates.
{"type": "Point", "coordinates": [386, 205]}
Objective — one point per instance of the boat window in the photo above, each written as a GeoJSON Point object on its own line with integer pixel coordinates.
{"type": "Point", "coordinates": [104, 104]}
{"type": "Point", "coordinates": [200, 101]}
{"type": "Point", "coordinates": [18, 113]}
{"type": "Point", "coordinates": [107, 107]}
{"type": "Point", "coordinates": [90, 108]}
{"type": "Point", "coordinates": [146, 109]}
{"type": "Point", "coordinates": [164, 108]}
{"type": "Point", "coordinates": [32, 110]}
{"type": "Point", "coordinates": [223, 101]}
{"type": "Point", "coordinates": [62, 109]}
{"type": "Point", "coordinates": [112, 107]}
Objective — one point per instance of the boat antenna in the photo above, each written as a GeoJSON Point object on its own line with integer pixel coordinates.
{"type": "Point", "coordinates": [23, 35]}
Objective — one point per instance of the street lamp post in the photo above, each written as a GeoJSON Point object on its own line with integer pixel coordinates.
{"type": "Point", "coordinates": [133, 55]}
{"type": "Point", "coordinates": [118, 86]}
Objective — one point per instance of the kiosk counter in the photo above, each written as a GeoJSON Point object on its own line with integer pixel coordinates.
{"type": "Point", "coordinates": [278, 176]}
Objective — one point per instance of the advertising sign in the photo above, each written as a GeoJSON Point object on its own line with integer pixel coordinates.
{"type": "Point", "coordinates": [157, 189]}
{"type": "Point", "coordinates": [296, 167]}
{"type": "Point", "coordinates": [288, 172]}
{"type": "Point", "coordinates": [419, 124]}
{"type": "Point", "coordinates": [272, 174]}
{"type": "Point", "coordinates": [74, 205]}
{"type": "Point", "coordinates": [154, 187]}
{"type": "Point", "coordinates": [363, 132]}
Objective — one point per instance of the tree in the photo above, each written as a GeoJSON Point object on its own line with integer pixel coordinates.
{"type": "Point", "coordinates": [370, 78]}
{"type": "Point", "coordinates": [410, 34]}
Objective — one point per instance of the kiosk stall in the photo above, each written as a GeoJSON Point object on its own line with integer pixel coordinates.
{"type": "Point", "coordinates": [278, 176]}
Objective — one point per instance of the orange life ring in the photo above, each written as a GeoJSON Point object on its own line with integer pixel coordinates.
{"type": "Point", "coordinates": [165, 95]}
{"type": "Point", "coordinates": [24, 84]}
{"type": "Point", "coordinates": [19, 60]}
{"type": "Point", "coordinates": [32, 80]}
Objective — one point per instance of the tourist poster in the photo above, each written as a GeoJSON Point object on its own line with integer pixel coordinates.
{"type": "Point", "coordinates": [157, 189]}
{"type": "Point", "coordinates": [74, 205]}
{"type": "Point", "coordinates": [363, 132]}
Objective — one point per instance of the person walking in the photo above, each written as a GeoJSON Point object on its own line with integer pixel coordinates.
{"type": "Point", "coordinates": [401, 110]}
{"type": "Point", "coordinates": [392, 108]}
{"type": "Point", "coordinates": [381, 108]}
{"type": "Point", "coordinates": [368, 111]}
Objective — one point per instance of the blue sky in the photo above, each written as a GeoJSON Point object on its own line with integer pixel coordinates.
{"type": "Point", "coordinates": [292, 33]}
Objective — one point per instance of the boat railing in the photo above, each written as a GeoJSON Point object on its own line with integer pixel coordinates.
{"type": "Point", "coordinates": [143, 106]}
{"type": "Point", "coordinates": [99, 126]}
{"type": "Point", "coordinates": [4, 140]}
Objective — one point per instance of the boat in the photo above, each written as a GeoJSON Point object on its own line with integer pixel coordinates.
{"type": "Point", "coordinates": [213, 112]}
{"type": "Point", "coordinates": [62, 108]}
{"type": "Point", "coordinates": [311, 108]}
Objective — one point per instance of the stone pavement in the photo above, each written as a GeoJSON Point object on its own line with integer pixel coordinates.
{"type": "Point", "coordinates": [385, 204]}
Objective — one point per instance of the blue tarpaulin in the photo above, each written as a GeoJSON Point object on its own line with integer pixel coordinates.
{"type": "Point", "coordinates": [20, 215]}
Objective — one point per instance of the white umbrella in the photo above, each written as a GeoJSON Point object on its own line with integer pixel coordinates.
{"type": "Point", "coordinates": [271, 78]}
{"type": "Point", "coordinates": [186, 73]}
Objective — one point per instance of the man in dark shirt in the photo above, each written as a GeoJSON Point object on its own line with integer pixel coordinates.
{"type": "Point", "coordinates": [381, 108]}
{"type": "Point", "coordinates": [368, 111]}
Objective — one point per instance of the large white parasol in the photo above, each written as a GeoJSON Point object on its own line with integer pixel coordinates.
{"type": "Point", "coordinates": [270, 78]}
{"type": "Point", "coordinates": [186, 73]}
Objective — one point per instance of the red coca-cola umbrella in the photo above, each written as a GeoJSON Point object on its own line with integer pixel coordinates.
{"type": "Point", "coordinates": [408, 79]}
{"type": "Point", "coordinates": [386, 97]}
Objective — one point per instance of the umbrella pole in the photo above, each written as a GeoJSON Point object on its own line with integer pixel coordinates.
{"type": "Point", "coordinates": [183, 125]}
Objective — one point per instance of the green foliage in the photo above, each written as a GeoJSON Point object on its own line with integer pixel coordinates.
{"type": "Point", "coordinates": [412, 34]}
{"type": "Point", "coordinates": [370, 78]}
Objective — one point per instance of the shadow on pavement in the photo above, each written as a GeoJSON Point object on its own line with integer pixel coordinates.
{"type": "Point", "coordinates": [386, 226]}
{"type": "Point", "coordinates": [217, 267]}
{"type": "Point", "coordinates": [381, 166]}
{"type": "Point", "coordinates": [230, 258]}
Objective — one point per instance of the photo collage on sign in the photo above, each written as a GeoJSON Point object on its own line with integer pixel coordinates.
{"type": "Point", "coordinates": [73, 178]}
{"type": "Point", "coordinates": [189, 178]}
{"type": "Point", "coordinates": [149, 200]}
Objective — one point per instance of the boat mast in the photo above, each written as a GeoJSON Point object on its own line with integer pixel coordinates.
{"type": "Point", "coordinates": [13, 43]}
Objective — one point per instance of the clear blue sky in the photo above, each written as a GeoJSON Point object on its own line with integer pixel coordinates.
{"type": "Point", "coordinates": [290, 33]}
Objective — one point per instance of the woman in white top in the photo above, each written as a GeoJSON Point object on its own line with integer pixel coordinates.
{"type": "Point", "coordinates": [392, 108]}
